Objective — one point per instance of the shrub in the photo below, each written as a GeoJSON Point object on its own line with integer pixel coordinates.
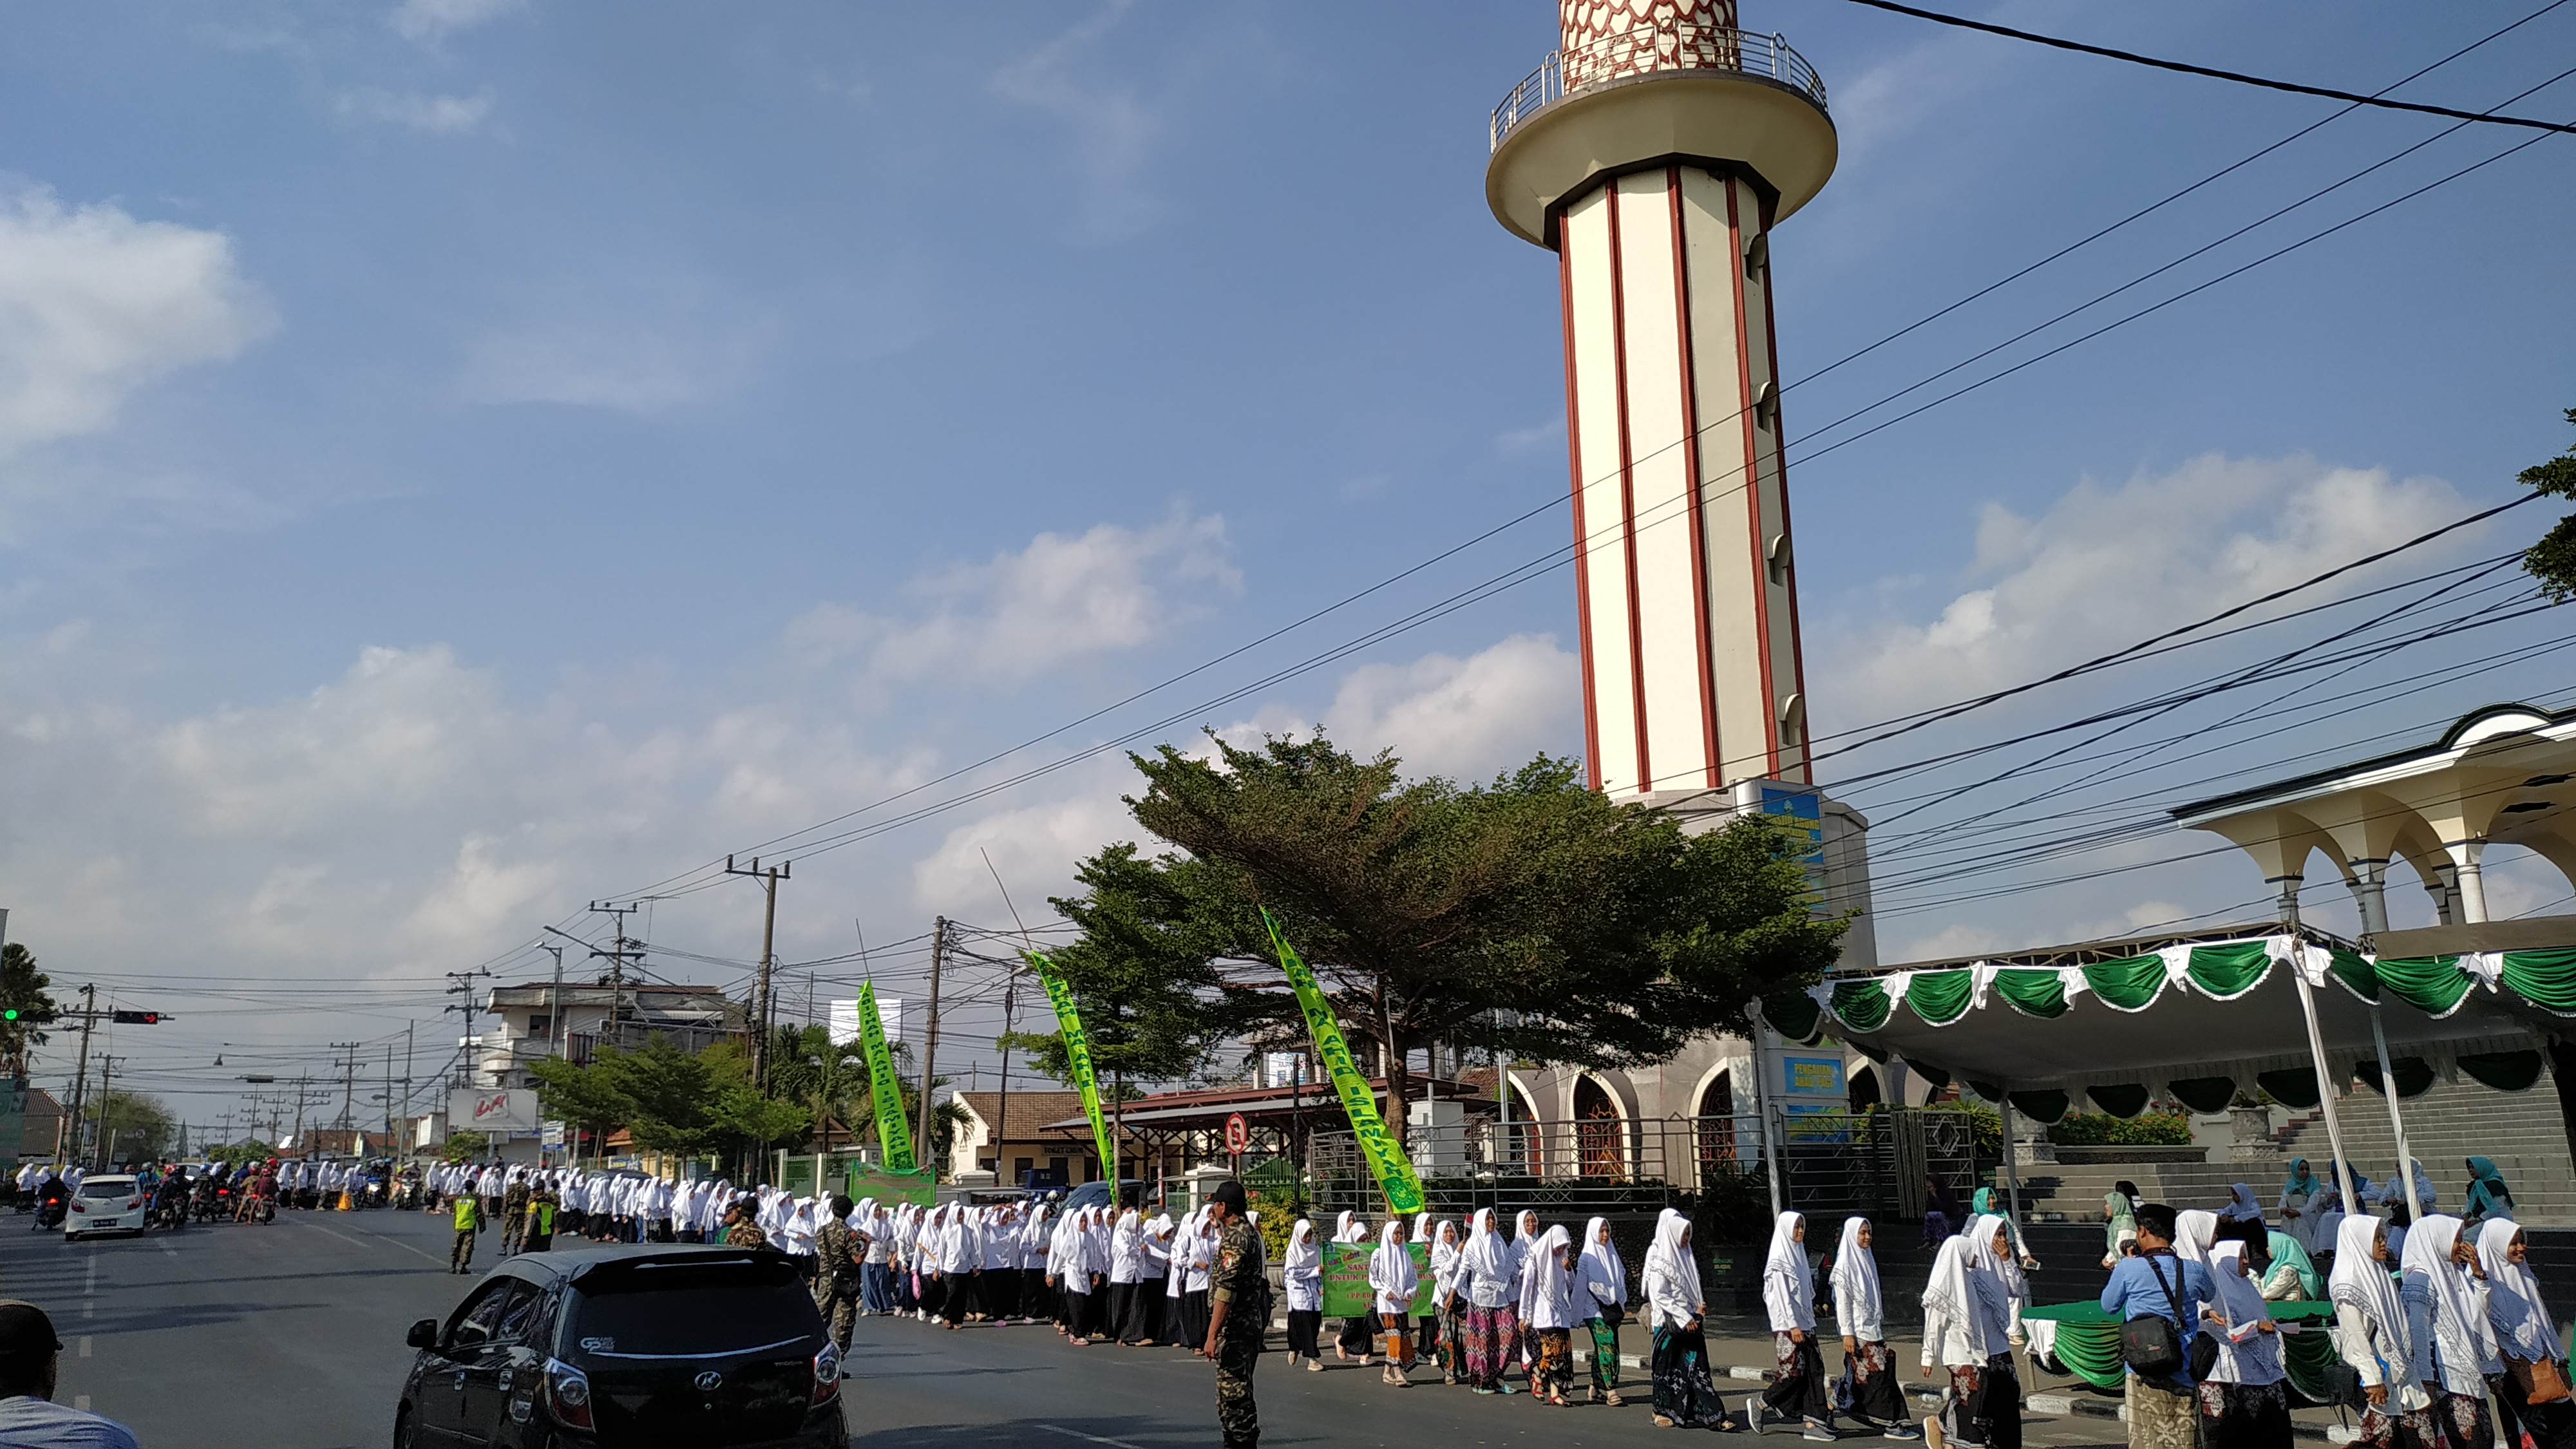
{"type": "Point", "coordinates": [1279, 1211]}
{"type": "Point", "coordinates": [2100, 1129]}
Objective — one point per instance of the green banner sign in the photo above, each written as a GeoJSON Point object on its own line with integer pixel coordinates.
{"type": "Point", "coordinates": [1077, 1056]}
{"type": "Point", "coordinates": [894, 1137]}
{"type": "Point", "coordinates": [1346, 1287]}
{"type": "Point", "coordinates": [1394, 1170]}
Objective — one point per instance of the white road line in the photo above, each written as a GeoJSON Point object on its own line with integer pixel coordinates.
{"type": "Point", "coordinates": [84, 1349]}
{"type": "Point", "coordinates": [1094, 1438]}
{"type": "Point", "coordinates": [387, 1242]}
{"type": "Point", "coordinates": [165, 1247]}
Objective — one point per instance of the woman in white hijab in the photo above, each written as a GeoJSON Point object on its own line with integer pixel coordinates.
{"type": "Point", "coordinates": [1860, 1310]}
{"type": "Point", "coordinates": [1126, 1265]}
{"type": "Point", "coordinates": [1153, 1273]}
{"type": "Point", "coordinates": [2242, 1403]}
{"type": "Point", "coordinates": [1525, 1233]}
{"type": "Point", "coordinates": [1392, 1279]}
{"type": "Point", "coordinates": [2373, 1335]}
{"type": "Point", "coordinates": [1601, 1302]}
{"type": "Point", "coordinates": [2241, 1206]}
{"type": "Point", "coordinates": [1789, 1297]}
{"type": "Point", "coordinates": [2525, 1336]}
{"type": "Point", "coordinates": [1302, 1273]}
{"type": "Point", "coordinates": [1967, 1329]}
{"type": "Point", "coordinates": [2445, 1294]}
{"type": "Point", "coordinates": [1550, 1272]}
{"type": "Point", "coordinates": [1035, 1238]}
{"type": "Point", "coordinates": [1675, 1305]}
{"type": "Point", "coordinates": [1201, 1264]}
{"type": "Point", "coordinates": [1448, 1257]}
{"type": "Point", "coordinates": [1358, 1337]}
{"type": "Point", "coordinates": [1426, 1328]}
{"type": "Point", "coordinates": [1493, 1303]}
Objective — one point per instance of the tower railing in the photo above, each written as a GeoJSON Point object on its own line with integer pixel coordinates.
{"type": "Point", "coordinates": [1640, 52]}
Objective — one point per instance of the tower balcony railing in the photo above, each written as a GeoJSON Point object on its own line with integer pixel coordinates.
{"type": "Point", "coordinates": [1642, 52]}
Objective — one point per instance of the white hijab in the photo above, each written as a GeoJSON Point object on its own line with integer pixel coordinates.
{"type": "Point", "coordinates": [1856, 1290]}
{"type": "Point", "coordinates": [1305, 1260]}
{"type": "Point", "coordinates": [1786, 1265]}
{"type": "Point", "coordinates": [1446, 1257]}
{"type": "Point", "coordinates": [1551, 1293]}
{"type": "Point", "coordinates": [1670, 1262]}
{"type": "Point", "coordinates": [2515, 1309]}
{"type": "Point", "coordinates": [1391, 1271]}
{"type": "Point", "coordinates": [2362, 1283]}
{"type": "Point", "coordinates": [1604, 1276]}
{"type": "Point", "coordinates": [2462, 1339]}
{"type": "Point", "coordinates": [2240, 1302]}
{"type": "Point", "coordinates": [2194, 1230]}
{"type": "Point", "coordinates": [1346, 1228]}
{"type": "Point", "coordinates": [2241, 1206]}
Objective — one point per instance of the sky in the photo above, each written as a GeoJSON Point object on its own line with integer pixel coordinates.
{"type": "Point", "coordinates": [461, 460]}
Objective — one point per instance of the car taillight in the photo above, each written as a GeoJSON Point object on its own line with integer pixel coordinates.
{"type": "Point", "coordinates": [76, 1207]}
{"type": "Point", "coordinates": [132, 1203]}
{"type": "Point", "coordinates": [827, 1374]}
{"type": "Point", "coordinates": [568, 1394]}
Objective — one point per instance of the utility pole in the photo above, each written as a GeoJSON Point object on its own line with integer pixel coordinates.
{"type": "Point", "coordinates": [106, 1143]}
{"type": "Point", "coordinates": [407, 1065]}
{"type": "Point", "coordinates": [389, 1092]}
{"type": "Point", "coordinates": [616, 954]}
{"type": "Point", "coordinates": [348, 1083]}
{"type": "Point", "coordinates": [762, 1007]}
{"type": "Point", "coordinates": [80, 1079]}
{"type": "Point", "coordinates": [465, 986]}
{"type": "Point", "coordinates": [930, 1038]}
{"type": "Point", "coordinates": [299, 1105]}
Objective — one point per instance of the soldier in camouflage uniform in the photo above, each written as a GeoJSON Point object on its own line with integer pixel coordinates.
{"type": "Point", "coordinates": [1238, 1315]}
{"type": "Point", "coordinates": [514, 1214]}
{"type": "Point", "coordinates": [740, 1231]}
{"type": "Point", "coordinates": [840, 1258]}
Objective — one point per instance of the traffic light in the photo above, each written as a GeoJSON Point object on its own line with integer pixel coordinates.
{"type": "Point", "coordinates": [10, 1014]}
{"type": "Point", "coordinates": [135, 1018]}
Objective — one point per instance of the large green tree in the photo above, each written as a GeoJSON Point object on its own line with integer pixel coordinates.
{"type": "Point", "coordinates": [22, 991]}
{"type": "Point", "coordinates": [1142, 973]}
{"type": "Point", "coordinates": [1527, 915]}
{"type": "Point", "coordinates": [2553, 559]}
{"type": "Point", "coordinates": [134, 1126]}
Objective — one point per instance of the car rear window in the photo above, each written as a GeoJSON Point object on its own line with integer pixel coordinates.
{"type": "Point", "coordinates": [650, 1309]}
{"type": "Point", "coordinates": [107, 1189]}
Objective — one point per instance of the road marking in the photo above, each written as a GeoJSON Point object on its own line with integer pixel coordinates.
{"type": "Point", "coordinates": [165, 1247]}
{"type": "Point", "coordinates": [1094, 1438]}
{"type": "Point", "coordinates": [388, 1242]}
{"type": "Point", "coordinates": [84, 1345]}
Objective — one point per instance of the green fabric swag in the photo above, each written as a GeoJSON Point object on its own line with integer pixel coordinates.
{"type": "Point", "coordinates": [2033, 993]}
{"type": "Point", "coordinates": [2226, 972]}
{"type": "Point", "coordinates": [1862, 1005]}
{"type": "Point", "coordinates": [2292, 1087]}
{"type": "Point", "coordinates": [2414, 1076]}
{"type": "Point", "coordinates": [1941, 997]}
{"type": "Point", "coordinates": [2546, 979]}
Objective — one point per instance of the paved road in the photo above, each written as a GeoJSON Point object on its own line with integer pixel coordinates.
{"type": "Point", "coordinates": [290, 1337]}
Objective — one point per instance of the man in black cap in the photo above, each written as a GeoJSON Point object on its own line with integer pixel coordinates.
{"type": "Point", "coordinates": [29, 1419]}
{"type": "Point", "coordinates": [1238, 1314]}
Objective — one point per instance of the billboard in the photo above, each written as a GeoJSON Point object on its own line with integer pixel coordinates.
{"type": "Point", "coordinates": [494, 1112]}
{"type": "Point", "coordinates": [845, 1019]}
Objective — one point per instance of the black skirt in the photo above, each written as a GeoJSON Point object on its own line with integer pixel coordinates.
{"type": "Point", "coordinates": [1358, 1335]}
{"type": "Point", "coordinates": [1302, 1324]}
{"type": "Point", "coordinates": [1142, 1319]}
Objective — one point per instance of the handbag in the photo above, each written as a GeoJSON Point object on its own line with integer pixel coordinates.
{"type": "Point", "coordinates": [2540, 1380]}
{"type": "Point", "coordinates": [2152, 1345]}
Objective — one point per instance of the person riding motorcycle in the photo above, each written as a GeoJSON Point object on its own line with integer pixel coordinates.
{"type": "Point", "coordinates": [170, 1199]}
{"type": "Point", "coordinates": [53, 1202]}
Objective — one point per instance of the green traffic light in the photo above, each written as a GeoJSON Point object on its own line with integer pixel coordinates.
{"type": "Point", "coordinates": [9, 1015]}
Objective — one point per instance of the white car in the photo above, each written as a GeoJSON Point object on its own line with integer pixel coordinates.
{"type": "Point", "coordinates": [110, 1203]}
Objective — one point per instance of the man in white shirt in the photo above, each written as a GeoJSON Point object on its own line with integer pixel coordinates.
{"type": "Point", "coordinates": [29, 1419]}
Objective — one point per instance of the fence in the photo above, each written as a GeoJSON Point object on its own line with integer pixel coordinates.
{"type": "Point", "coordinates": [1880, 1161]}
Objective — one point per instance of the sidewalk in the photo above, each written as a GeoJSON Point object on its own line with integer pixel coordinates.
{"type": "Point", "coordinates": [1739, 1352]}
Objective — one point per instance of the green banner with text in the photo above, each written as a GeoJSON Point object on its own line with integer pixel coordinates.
{"type": "Point", "coordinates": [1394, 1170]}
{"type": "Point", "coordinates": [1077, 1057]}
{"type": "Point", "coordinates": [894, 1138]}
{"type": "Point", "coordinates": [1346, 1286]}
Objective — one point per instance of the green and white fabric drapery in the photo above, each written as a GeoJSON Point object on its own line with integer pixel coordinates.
{"type": "Point", "coordinates": [2197, 1022]}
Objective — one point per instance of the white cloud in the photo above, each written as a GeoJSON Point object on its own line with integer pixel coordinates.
{"type": "Point", "coordinates": [2103, 564]}
{"type": "Point", "coordinates": [1466, 718]}
{"type": "Point", "coordinates": [435, 20]}
{"type": "Point", "coordinates": [95, 304]}
{"type": "Point", "coordinates": [1020, 614]}
{"type": "Point", "coordinates": [1111, 128]}
{"type": "Point", "coordinates": [1514, 441]}
{"type": "Point", "coordinates": [432, 115]}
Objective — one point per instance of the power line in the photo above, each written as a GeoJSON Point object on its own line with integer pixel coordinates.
{"type": "Point", "coordinates": [2186, 68]}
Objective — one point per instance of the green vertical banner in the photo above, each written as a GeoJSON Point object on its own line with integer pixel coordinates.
{"type": "Point", "coordinates": [1077, 1057]}
{"type": "Point", "coordinates": [894, 1137]}
{"type": "Point", "coordinates": [1394, 1170]}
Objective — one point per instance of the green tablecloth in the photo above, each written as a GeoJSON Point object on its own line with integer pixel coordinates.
{"type": "Point", "coordinates": [2088, 1344]}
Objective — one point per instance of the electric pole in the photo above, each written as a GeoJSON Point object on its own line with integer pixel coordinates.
{"type": "Point", "coordinates": [80, 1079]}
{"type": "Point", "coordinates": [616, 954]}
{"type": "Point", "coordinates": [761, 1004]}
{"type": "Point", "coordinates": [465, 986]}
{"type": "Point", "coordinates": [106, 1100]}
{"type": "Point", "coordinates": [348, 1082]}
{"type": "Point", "coordinates": [930, 1036]}
{"type": "Point", "coordinates": [389, 1093]}
{"type": "Point", "coordinates": [554, 1002]}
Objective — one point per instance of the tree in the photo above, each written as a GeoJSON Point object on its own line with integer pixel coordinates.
{"type": "Point", "coordinates": [1528, 915]}
{"type": "Point", "coordinates": [134, 1127]}
{"type": "Point", "coordinates": [249, 1150]}
{"type": "Point", "coordinates": [2553, 560]}
{"type": "Point", "coordinates": [22, 990]}
{"type": "Point", "coordinates": [1142, 974]}
{"type": "Point", "coordinates": [464, 1145]}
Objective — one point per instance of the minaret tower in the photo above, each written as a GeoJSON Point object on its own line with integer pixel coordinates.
{"type": "Point", "coordinates": [1653, 154]}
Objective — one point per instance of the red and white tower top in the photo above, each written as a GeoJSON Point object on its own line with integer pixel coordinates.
{"type": "Point", "coordinates": [1653, 154]}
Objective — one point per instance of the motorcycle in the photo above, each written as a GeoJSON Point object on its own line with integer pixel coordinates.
{"type": "Point", "coordinates": [52, 1210]}
{"type": "Point", "coordinates": [171, 1214]}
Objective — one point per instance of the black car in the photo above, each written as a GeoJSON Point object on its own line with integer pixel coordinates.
{"type": "Point", "coordinates": [686, 1346]}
